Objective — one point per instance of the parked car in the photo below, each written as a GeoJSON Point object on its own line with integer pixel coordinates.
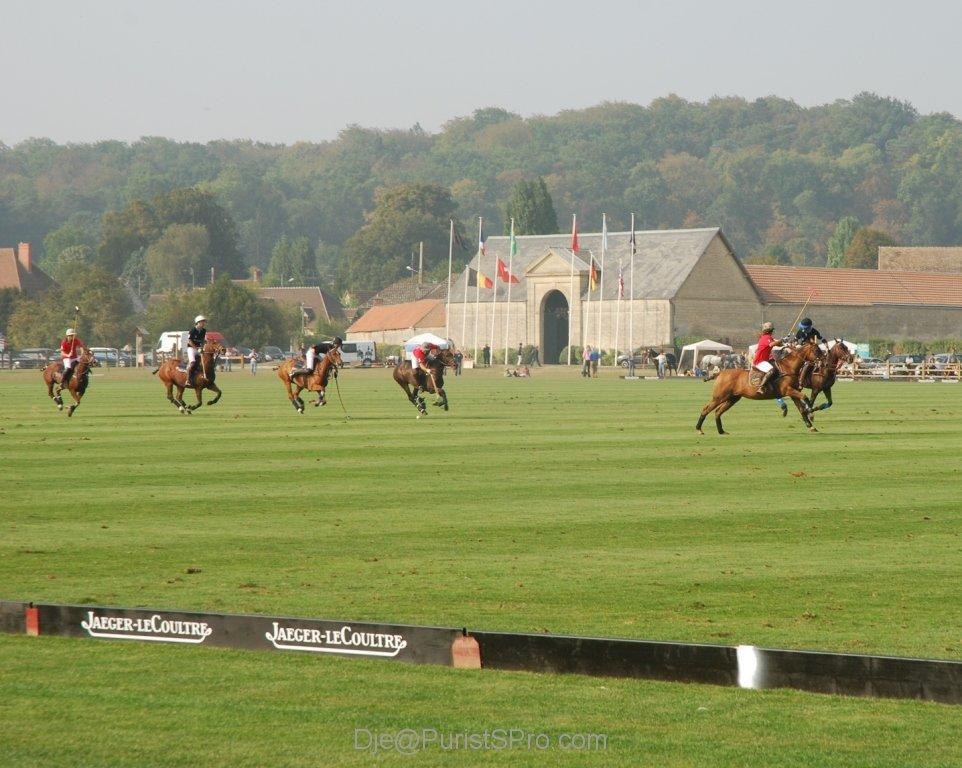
{"type": "Point", "coordinates": [904, 362]}
{"type": "Point", "coordinates": [113, 358]}
{"type": "Point", "coordinates": [272, 354]}
{"type": "Point", "coordinates": [946, 359]}
{"type": "Point", "coordinates": [35, 357]}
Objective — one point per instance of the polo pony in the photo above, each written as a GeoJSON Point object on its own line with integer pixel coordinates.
{"type": "Point", "coordinates": [413, 382]}
{"type": "Point", "coordinates": [732, 384]}
{"type": "Point", "coordinates": [312, 381]}
{"type": "Point", "coordinates": [172, 375]}
{"type": "Point", "coordinates": [824, 374]}
{"type": "Point", "coordinates": [53, 374]}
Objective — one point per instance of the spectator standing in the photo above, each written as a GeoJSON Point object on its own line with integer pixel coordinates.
{"type": "Point", "coordinates": [254, 358]}
{"type": "Point", "coordinates": [536, 355]}
{"type": "Point", "coordinates": [595, 359]}
{"type": "Point", "coordinates": [520, 353]}
{"type": "Point", "coordinates": [486, 356]}
{"type": "Point", "coordinates": [661, 360]}
{"type": "Point", "coordinates": [458, 360]}
{"type": "Point", "coordinates": [586, 361]}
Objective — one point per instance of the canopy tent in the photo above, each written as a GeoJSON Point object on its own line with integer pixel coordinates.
{"type": "Point", "coordinates": [415, 341]}
{"type": "Point", "coordinates": [699, 349]}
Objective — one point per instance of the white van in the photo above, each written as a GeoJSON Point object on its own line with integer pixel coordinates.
{"type": "Point", "coordinates": [171, 344]}
{"type": "Point", "coordinates": [359, 353]}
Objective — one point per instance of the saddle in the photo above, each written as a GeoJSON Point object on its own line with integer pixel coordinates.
{"type": "Point", "coordinates": [755, 377]}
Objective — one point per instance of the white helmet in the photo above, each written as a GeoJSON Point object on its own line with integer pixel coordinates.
{"type": "Point", "coordinates": [71, 332]}
{"type": "Point", "coordinates": [199, 318]}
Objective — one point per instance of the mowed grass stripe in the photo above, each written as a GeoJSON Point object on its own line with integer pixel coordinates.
{"type": "Point", "coordinates": [556, 503]}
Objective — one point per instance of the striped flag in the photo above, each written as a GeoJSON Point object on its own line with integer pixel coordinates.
{"type": "Point", "coordinates": [484, 281]}
{"type": "Point", "coordinates": [593, 275]}
{"type": "Point", "coordinates": [621, 282]}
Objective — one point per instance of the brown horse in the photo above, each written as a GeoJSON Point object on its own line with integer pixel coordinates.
{"type": "Point", "coordinates": [824, 374]}
{"type": "Point", "coordinates": [53, 374]}
{"type": "Point", "coordinates": [315, 381]}
{"type": "Point", "coordinates": [172, 375]}
{"type": "Point", "coordinates": [732, 384]}
{"type": "Point", "coordinates": [414, 382]}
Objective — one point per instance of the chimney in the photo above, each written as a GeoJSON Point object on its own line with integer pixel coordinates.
{"type": "Point", "coordinates": [24, 257]}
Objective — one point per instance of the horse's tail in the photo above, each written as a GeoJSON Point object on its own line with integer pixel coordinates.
{"type": "Point", "coordinates": [154, 372]}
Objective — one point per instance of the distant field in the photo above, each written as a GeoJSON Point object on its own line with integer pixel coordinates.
{"type": "Point", "coordinates": [552, 504]}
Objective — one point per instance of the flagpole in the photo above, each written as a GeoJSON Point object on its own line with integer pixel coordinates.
{"type": "Point", "coordinates": [507, 309]}
{"type": "Point", "coordinates": [618, 314]}
{"type": "Point", "coordinates": [586, 312]}
{"type": "Point", "coordinates": [464, 310]}
{"type": "Point", "coordinates": [494, 308]}
{"type": "Point", "coordinates": [571, 299]}
{"type": "Point", "coordinates": [447, 309]}
{"type": "Point", "coordinates": [601, 280]}
{"type": "Point", "coordinates": [631, 292]}
{"type": "Point", "coordinates": [477, 293]}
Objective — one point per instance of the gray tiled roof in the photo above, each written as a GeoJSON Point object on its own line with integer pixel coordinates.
{"type": "Point", "coordinates": [663, 261]}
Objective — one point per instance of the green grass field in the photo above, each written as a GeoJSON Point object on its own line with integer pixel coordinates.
{"type": "Point", "coordinates": [555, 504]}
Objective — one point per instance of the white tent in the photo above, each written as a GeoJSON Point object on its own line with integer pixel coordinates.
{"type": "Point", "coordinates": [421, 338]}
{"type": "Point", "coordinates": [700, 349]}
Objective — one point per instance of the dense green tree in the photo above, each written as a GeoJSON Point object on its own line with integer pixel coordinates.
{"type": "Point", "coordinates": [8, 300]}
{"type": "Point", "coordinates": [402, 217]}
{"type": "Point", "coordinates": [105, 318]}
{"type": "Point", "coordinates": [841, 239]}
{"type": "Point", "coordinates": [68, 258]}
{"type": "Point", "coordinates": [292, 263]}
{"type": "Point", "coordinates": [79, 230]}
{"type": "Point", "coordinates": [232, 309]}
{"type": "Point", "coordinates": [532, 208]}
{"type": "Point", "coordinates": [862, 253]}
{"type": "Point", "coordinates": [749, 166]}
{"type": "Point", "coordinates": [179, 257]}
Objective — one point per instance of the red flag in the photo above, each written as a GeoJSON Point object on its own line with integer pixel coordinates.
{"type": "Point", "coordinates": [503, 275]}
{"type": "Point", "coordinates": [574, 234]}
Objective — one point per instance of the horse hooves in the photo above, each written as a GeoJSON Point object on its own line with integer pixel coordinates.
{"type": "Point", "coordinates": [211, 402]}
{"type": "Point", "coordinates": [812, 429]}
{"type": "Point", "coordinates": [70, 411]}
{"type": "Point", "coordinates": [784, 412]}
{"type": "Point", "coordinates": [723, 432]}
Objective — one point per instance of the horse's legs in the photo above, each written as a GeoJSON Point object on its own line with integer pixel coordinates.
{"type": "Point", "coordinates": [712, 405]}
{"type": "Point", "coordinates": [828, 397]}
{"type": "Point", "coordinates": [296, 398]}
{"type": "Point", "coordinates": [73, 406]}
{"type": "Point", "coordinates": [321, 398]}
{"type": "Point", "coordinates": [721, 409]}
{"type": "Point", "coordinates": [199, 392]}
{"type": "Point", "coordinates": [181, 405]}
{"type": "Point", "coordinates": [443, 402]}
{"type": "Point", "coordinates": [171, 398]}
{"type": "Point", "coordinates": [215, 388]}
{"type": "Point", "coordinates": [804, 410]}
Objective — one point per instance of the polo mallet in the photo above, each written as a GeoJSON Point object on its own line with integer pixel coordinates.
{"type": "Point", "coordinates": [73, 341]}
{"type": "Point", "coordinates": [337, 386]}
{"type": "Point", "coordinates": [811, 295]}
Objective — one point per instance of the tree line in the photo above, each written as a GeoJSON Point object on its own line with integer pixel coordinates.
{"type": "Point", "coordinates": [820, 185]}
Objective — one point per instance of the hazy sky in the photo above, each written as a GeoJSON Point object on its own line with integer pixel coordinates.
{"type": "Point", "coordinates": [288, 70]}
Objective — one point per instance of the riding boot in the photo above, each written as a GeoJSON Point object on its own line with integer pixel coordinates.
{"type": "Point", "coordinates": [802, 373]}
{"type": "Point", "coordinates": [65, 377]}
{"type": "Point", "coordinates": [765, 379]}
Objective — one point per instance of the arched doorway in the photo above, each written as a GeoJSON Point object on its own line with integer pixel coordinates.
{"type": "Point", "coordinates": [554, 326]}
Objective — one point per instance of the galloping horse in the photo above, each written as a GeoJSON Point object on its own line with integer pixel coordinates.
{"type": "Point", "coordinates": [53, 374]}
{"type": "Point", "coordinates": [823, 375]}
{"type": "Point", "coordinates": [172, 375]}
{"type": "Point", "coordinates": [315, 381]}
{"type": "Point", "coordinates": [732, 385]}
{"type": "Point", "coordinates": [409, 380]}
